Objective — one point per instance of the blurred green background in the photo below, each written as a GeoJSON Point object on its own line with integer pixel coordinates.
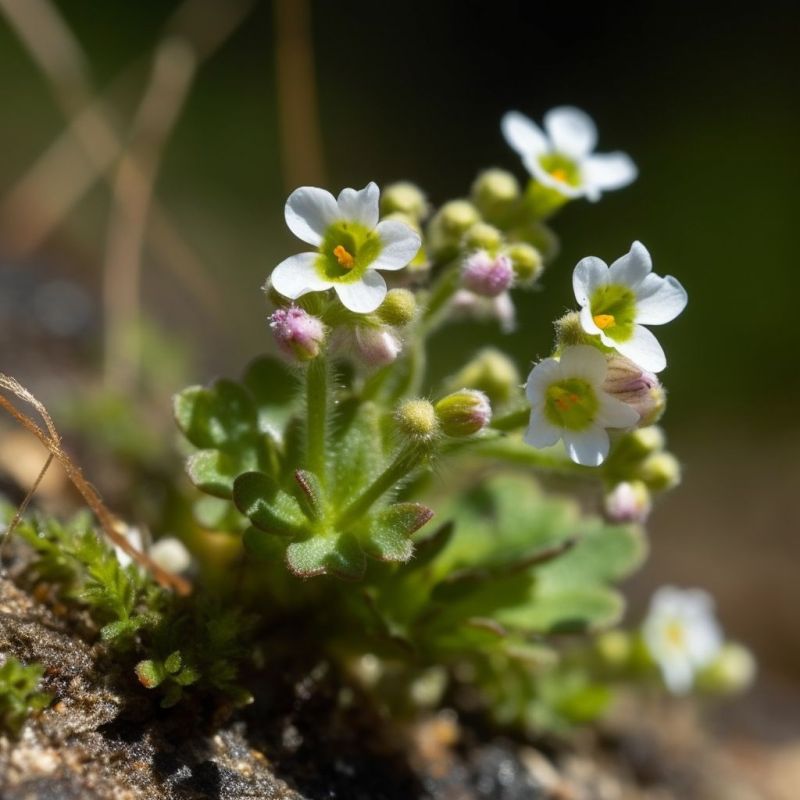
{"type": "Point", "coordinates": [703, 96]}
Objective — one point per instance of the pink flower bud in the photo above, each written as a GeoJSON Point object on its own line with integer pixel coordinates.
{"type": "Point", "coordinates": [297, 333]}
{"type": "Point", "coordinates": [637, 387]}
{"type": "Point", "coordinates": [377, 347]}
{"type": "Point", "coordinates": [486, 275]}
{"type": "Point", "coordinates": [468, 305]}
{"type": "Point", "coordinates": [628, 502]}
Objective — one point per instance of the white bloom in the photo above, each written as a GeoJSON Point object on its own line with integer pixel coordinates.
{"type": "Point", "coordinates": [562, 158]}
{"type": "Point", "coordinates": [681, 634]}
{"type": "Point", "coordinates": [568, 402]}
{"type": "Point", "coordinates": [351, 246]}
{"type": "Point", "coordinates": [617, 301]}
{"type": "Point", "coordinates": [171, 555]}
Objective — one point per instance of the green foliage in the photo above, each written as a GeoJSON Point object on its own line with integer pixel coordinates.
{"type": "Point", "coordinates": [19, 694]}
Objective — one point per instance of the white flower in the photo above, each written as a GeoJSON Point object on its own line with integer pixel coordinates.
{"type": "Point", "coordinates": [351, 246]}
{"type": "Point", "coordinates": [568, 402]}
{"type": "Point", "coordinates": [617, 301]}
{"type": "Point", "coordinates": [681, 634]}
{"type": "Point", "coordinates": [562, 158]}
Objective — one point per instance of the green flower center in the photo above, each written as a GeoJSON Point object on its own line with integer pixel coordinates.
{"type": "Point", "coordinates": [561, 168]}
{"type": "Point", "coordinates": [571, 404]}
{"type": "Point", "coordinates": [347, 250]}
{"type": "Point", "coordinates": [613, 309]}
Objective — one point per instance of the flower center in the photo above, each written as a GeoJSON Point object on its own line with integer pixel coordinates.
{"type": "Point", "coordinates": [561, 168]}
{"type": "Point", "coordinates": [604, 321]}
{"type": "Point", "coordinates": [613, 307]}
{"type": "Point", "coordinates": [344, 258]}
{"type": "Point", "coordinates": [559, 174]}
{"type": "Point", "coordinates": [675, 635]}
{"type": "Point", "coordinates": [571, 403]}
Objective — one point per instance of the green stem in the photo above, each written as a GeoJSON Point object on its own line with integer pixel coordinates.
{"type": "Point", "coordinates": [317, 415]}
{"type": "Point", "coordinates": [515, 451]}
{"type": "Point", "coordinates": [407, 459]}
{"type": "Point", "coordinates": [512, 421]}
{"type": "Point", "coordinates": [443, 290]}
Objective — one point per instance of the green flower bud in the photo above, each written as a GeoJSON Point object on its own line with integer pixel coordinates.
{"type": "Point", "coordinates": [417, 420]}
{"type": "Point", "coordinates": [492, 373]}
{"type": "Point", "coordinates": [660, 471]}
{"type": "Point", "coordinates": [495, 193]}
{"type": "Point", "coordinates": [464, 413]}
{"type": "Point", "coordinates": [405, 197]}
{"type": "Point", "coordinates": [398, 307]}
{"type": "Point", "coordinates": [732, 671]}
{"type": "Point", "coordinates": [527, 262]}
{"type": "Point", "coordinates": [449, 225]}
{"type": "Point", "coordinates": [614, 648]}
{"type": "Point", "coordinates": [570, 332]}
{"type": "Point", "coordinates": [483, 236]}
{"type": "Point", "coordinates": [641, 443]}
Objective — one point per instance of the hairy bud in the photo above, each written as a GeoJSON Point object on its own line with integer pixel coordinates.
{"type": "Point", "coordinates": [495, 192]}
{"type": "Point", "coordinates": [493, 373]}
{"type": "Point", "coordinates": [660, 471]}
{"type": "Point", "coordinates": [417, 420]}
{"type": "Point", "coordinates": [376, 347]}
{"type": "Point", "coordinates": [398, 308]}
{"type": "Point", "coordinates": [527, 262]}
{"type": "Point", "coordinates": [637, 387]}
{"type": "Point", "coordinates": [464, 413]}
{"type": "Point", "coordinates": [486, 275]}
{"type": "Point", "coordinates": [406, 198]}
{"type": "Point", "coordinates": [483, 236]}
{"type": "Point", "coordinates": [297, 333]}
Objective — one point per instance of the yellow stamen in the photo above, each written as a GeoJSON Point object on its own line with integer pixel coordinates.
{"type": "Point", "coordinates": [343, 257]}
{"type": "Point", "coordinates": [566, 401]}
{"type": "Point", "coordinates": [604, 321]}
{"type": "Point", "coordinates": [676, 635]}
{"type": "Point", "coordinates": [559, 174]}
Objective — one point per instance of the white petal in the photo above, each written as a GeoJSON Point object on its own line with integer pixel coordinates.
{"type": "Point", "coordinates": [541, 432]}
{"type": "Point", "coordinates": [308, 213]}
{"type": "Point", "coordinates": [584, 361]}
{"type": "Point", "coordinates": [364, 296]}
{"type": "Point", "coordinates": [659, 300]}
{"type": "Point", "coordinates": [589, 273]}
{"type": "Point", "coordinates": [606, 171]}
{"type": "Point", "coordinates": [590, 326]}
{"type": "Point", "coordinates": [588, 447]}
{"type": "Point", "coordinates": [571, 130]}
{"type": "Point", "coordinates": [643, 349]}
{"type": "Point", "coordinates": [613, 413]}
{"type": "Point", "coordinates": [632, 268]}
{"type": "Point", "coordinates": [505, 311]}
{"type": "Point", "coordinates": [400, 243]}
{"type": "Point", "coordinates": [297, 275]}
{"type": "Point", "coordinates": [524, 135]}
{"type": "Point", "coordinates": [678, 674]}
{"type": "Point", "coordinates": [542, 375]}
{"type": "Point", "coordinates": [360, 206]}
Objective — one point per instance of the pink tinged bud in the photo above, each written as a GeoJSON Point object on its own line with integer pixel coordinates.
{"type": "Point", "coordinates": [297, 333]}
{"type": "Point", "coordinates": [377, 347]}
{"type": "Point", "coordinates": [464, 413]}
{"type": "Point", "coordinates": [468, 305]}
{"type": "Point", "coordinates": [486, 275]}
{"type": "Point", "coordinates": [628, 502]}
{"type": "Point", "coordinates": [637, 387]}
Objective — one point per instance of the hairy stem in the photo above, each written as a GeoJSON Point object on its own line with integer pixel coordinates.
{"type": "Point", "coordinates": [317, 415]}
{"type": "Point", "coordinates": [512, 421]}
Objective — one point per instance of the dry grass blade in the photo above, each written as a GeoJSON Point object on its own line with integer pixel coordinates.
{"type": "Point", "coordinates": [52, 441]}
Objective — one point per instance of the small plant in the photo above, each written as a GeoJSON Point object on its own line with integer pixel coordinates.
{"type": "Point", "coordinates": [19, 694]}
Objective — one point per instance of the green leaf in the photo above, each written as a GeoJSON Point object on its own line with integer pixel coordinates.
{"type": "Point", "coordinates": [267, 506]}
{"type": "Point", "coordinates": [150, 673]}
{"type": "Point", "coordinates": [274, 390]}
{"type": "Point", "coordinates": [310, 494]}
{"type": "Point", "coordinates": [213, 471]}
{"type": "Point", "coordinates": [173, 662]}
{"type": "Point", "coordinates": [341, 556]}
{"type": "Point", "coordinates": [389, 531]}
{"type": "Point", "coordinates": [358, 454]}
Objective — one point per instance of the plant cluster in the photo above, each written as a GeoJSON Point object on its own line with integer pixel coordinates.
{"type": "Point", "coordinates": [19, 694]}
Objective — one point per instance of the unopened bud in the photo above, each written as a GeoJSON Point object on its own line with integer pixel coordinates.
{"type": "Point", "coordinates": [495, 192]}
{"type": "Point", "coordinates": [526, 260]}
{"type": "Point", "coordinates": [628, 501]}
{"type": "Point", "coordinates": [614, 648]}
{"type": "Point", "coordinates": [406, 198]}
{"type": "Point", "coordinates": [637, 387]}
{"type": "Point", "coordinates": [483, 236]}
{"type": "Point", "coordinates": [570, 332]}
{"type": "Point", "coordinates": [398, 307]}
{"type": "Point", "coordinates": [171, 555]}
{"type": "Point", "coordinates": [376, 347]}
{"type": "Point", "coordinates": [449, 225]}
{"type": "Point", "coordinates": [660, 472]}
{"type": "Point", "coordinates": [487, 275]}
{"type": "Point", "coordinates": [297, 333]}
{"type": "Point", "coordinates": [417, 420]}
{"type": "Point", "coordinates": [493, 373]}
{"type": "Point", "coordinates": [464, 413]}
{"type": "Point", "coordinates": [465, 304]}
{"type": "Point", "coordinates": [733, 670]}
{"type": "Point", "coordinates": [643, 442]}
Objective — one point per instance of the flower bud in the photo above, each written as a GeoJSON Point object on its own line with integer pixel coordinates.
{"type": "Point", "coordinates": [628, 501]}
{"type": "Point", "coordinates": [492, 373]}
{"type": "Point", "coordinates": [637, 387]}
{"type": "Point", "coordinates": [483, 236]}
{"type": "Point", "coordinates": [468, 305]}
{"type": "Point", "coordinates": [570, 332]}
{"type": "Point", "coordinates": [449, 225]}
{"type": "Point", "coordinates": [660, 471]}
{"type": "Point", "coordinates": [417, 420]}
{"type": "Point", "coordinates": [406, 198]}
{"type": "Point", "coordinates": [495, 192]}
{"type": "Point", "coordinates": [376, 347]}
{"type": "Point", "coordinates": [527, 262]}
{"type": "Point", "coordinates": [297, 333]}
{"type": "Point", "coordinates": [171, 555]}
{"type": "Point", "coordinates": [464, 413]}
{"type": "Point", "coordinates": [614, 648]}
{"type": "Point", "coordinates": [487, 276]}
{"type": "Point", "coordinates": [398, 307]}
{"type": "Point", "coordinates": [733, 670]}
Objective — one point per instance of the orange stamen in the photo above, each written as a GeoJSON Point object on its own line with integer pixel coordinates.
{"type": "Point", "coordinates": [559, 174]}
{"type": "Point", "coordinates": [604, 321]}
{"type": "Point", "coordinates": [343, 257]}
